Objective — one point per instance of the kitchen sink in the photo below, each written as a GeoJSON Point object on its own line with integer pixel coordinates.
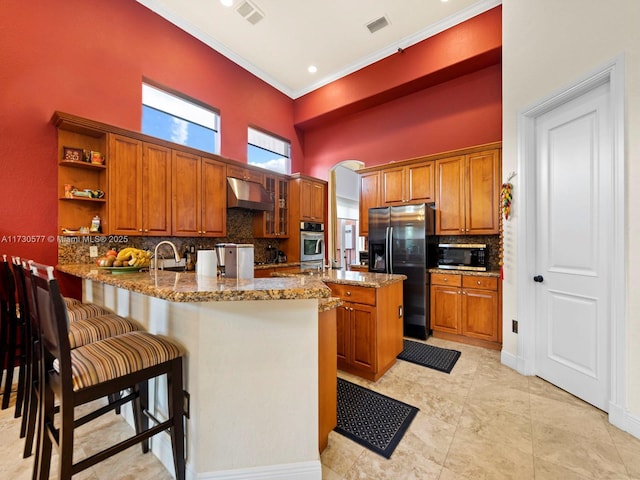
{"type": "Point", "coordinates": [173, 269]}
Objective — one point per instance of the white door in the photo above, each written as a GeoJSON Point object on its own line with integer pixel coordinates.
{"type": "Point", "coordinates": [574, 210]}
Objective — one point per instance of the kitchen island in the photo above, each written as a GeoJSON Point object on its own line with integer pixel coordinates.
{"type": "Point", "coordinates": [251, 365]}
{"type": "Point", "coordinates": [369, 321]}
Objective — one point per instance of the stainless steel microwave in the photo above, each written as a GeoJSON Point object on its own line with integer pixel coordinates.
{"type": "Point", "coordinates": [463, 256]}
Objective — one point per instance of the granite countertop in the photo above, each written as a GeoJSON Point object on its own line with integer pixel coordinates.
{"type": "Point", "coordinates": [265, 266]}
{"type": "Point", "coordinates": [347, 277]}
{"type": "Point", "coordinates": [188, 287]}
{"type": "Point", "coordinates": [489, 273]}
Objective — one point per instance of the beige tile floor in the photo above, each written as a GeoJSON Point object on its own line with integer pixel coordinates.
{"type": "Point", "coordinates": [483, 421]}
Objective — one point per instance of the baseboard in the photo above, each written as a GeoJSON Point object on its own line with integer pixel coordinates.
{"type": "Point", "coordinates": [509, 360]}
{"type": "Point", "coordinates": [624, 420]}
{"type": "Point", "coordinates": [293, 471]}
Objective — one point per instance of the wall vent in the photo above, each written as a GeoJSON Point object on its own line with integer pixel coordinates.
{"type": "Point", "coordinates": [250, 12]}
{"type": "Point", "coordinates": [378, 24]}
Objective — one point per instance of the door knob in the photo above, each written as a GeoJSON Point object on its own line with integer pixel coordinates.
{"type": "Point", "coordinates": [538, 278]}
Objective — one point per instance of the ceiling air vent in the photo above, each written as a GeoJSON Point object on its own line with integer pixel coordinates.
{"type": "Point", "coordinates": [378, 24]}
{"type": "Point", "coordinates": [250, 12]}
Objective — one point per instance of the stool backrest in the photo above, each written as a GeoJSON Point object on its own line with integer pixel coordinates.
{"type": "Point", "coordinates": [52, 317]}
{"type": "Point", "coordinates": [7, 288]}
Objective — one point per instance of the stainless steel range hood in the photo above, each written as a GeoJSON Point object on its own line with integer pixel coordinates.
{"type": "Point", "coordinates": [249, 195]}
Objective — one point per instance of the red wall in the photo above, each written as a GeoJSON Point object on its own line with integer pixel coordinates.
{"type": "Point", "coordinates": [460, 113]}
{"type": "Point", "coordinates": [89, 58]}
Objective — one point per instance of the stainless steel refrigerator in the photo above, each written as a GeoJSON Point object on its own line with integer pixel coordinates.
{"type": "Point", "coordinates": [401, 240]}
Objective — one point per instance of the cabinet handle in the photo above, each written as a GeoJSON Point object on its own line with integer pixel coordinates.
{"type": "Point", "coordinates": [348, 294]}
{"type": "Point", "coordinates": [140, 230]}
{"type": "Point", "coordinates": [478, 282]}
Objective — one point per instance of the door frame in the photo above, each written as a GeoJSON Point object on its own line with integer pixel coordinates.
{"type": "Point", "coordinates": [613, 74]}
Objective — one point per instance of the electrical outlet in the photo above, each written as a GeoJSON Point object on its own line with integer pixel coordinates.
{"type": "Point", "coordinates": [514, 326]}
{"type": "Point", "coordinates": [187, 403]}
{"type": "Point", "coordinates": [93, 251]}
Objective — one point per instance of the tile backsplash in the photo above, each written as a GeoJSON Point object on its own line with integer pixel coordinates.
{"type": "Point", "coordinates": [72, 250]}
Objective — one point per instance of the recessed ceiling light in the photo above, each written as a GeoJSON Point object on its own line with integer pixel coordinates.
{"type": "Point", "coordinates": [227, 3]}
{"type": "Point", "coordinates": [312, 69]}
{"type": "Point", "coordinates": [444, 1]}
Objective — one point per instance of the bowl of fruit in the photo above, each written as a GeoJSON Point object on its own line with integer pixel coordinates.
{"type": "Point", "coordinates": [126, 260]}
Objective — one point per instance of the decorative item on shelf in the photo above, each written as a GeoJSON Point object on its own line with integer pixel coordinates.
{"type": "Point", "coordinates": [71, 154]}
{"type": "Point", "coordinates": [68, 190]}
{"type": "Point", "coordinates": [97, 158]}
{"type": "Point", "coordinates": [95, 225]}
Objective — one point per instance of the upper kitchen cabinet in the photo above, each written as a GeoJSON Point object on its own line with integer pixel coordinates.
{"type": "Point", "coordinates": [250, 175]}
{"type": "Point", "coordinates": [408, 184]}
{"type": "Point", "coordinates": [139, 187]}
{"type": "Point", "coordinates": [369, 198]}
{"type": "Point", "coordinates": [310, 194]}
{"type": "Point", "coordinates": [467, 194]}
{"type": "Point", "coordinates": [82, 184]}
{"type": "Point", "coordinates": [199, 196]}
{"type": "Point", "coordinates": [274, 223]}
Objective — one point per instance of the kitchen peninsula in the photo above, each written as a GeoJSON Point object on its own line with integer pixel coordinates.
{"type": "Point", "coordinates": [251, 365]}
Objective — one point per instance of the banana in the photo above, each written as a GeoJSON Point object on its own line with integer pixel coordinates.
{"type": "Point", "coordinates": [125, 254]}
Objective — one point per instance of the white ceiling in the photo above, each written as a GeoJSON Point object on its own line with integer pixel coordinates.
{"type": "Point", "coordinates": [330, 34]}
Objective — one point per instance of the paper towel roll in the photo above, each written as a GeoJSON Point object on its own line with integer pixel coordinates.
{"type": "Point", "coordinates": [207, 264]}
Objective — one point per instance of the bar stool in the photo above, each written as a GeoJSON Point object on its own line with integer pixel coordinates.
{"type": "Point", "coordinates": [81, 332]}
{"type": "Point", "coordinates": [89, 372]}
{"type": "Point", "coordinates": [11, 350]}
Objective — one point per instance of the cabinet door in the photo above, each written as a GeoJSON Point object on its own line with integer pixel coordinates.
{"type": "Point", "coordinates": [480, 314]}
{"type": "Point", "coordinates": [156, 190]}
{"type": "Point", "coordinates": [393, 186]}
{"type": "Point", "coordinates": [445, 309]}
{"type": "Point", "coordinates": [282, 207]}
{"type": "Point", "coordinates": [363, 336]}
{"type": "Point", "coordinates": [369, 198]}
{"type": "Point", "coordinates": [312, 199]}
{"type": "Point", "coordinates": [450, 196]}
{"type": "Point", "coordinates": [420, 183]}
{"type": "Point", "coordinates": [186, 192]}
{"type": "Point", "coordinates": [343, 315]}
{"type": "Point", "coordinates": [214, 198]}
{"type": "Point", "coordinates": [482, 193]}
{"type": "Point", "coordinates": [125, 185]}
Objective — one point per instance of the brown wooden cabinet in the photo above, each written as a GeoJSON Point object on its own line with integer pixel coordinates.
{"type": "Point", "coordinates": [199, 196]}
{"type": "Point", "coordinates": [139, 187]}
{"type": "Point", "coordinates": [412, 183]}
{"type": "Point", "coordinates": [327, 377]}
{"type": "Point", "coordinates": [274, 223]}
{"type": "Point", "coordinates": [237, 171]}
{"type": "Point", "coordinates": [466, 308]}
{"type": "Point", "coordinates": [75, 212]}
{"type": "Point", "coordinates": [369, 328]}
{"type": "Point", "coordinates": [312, 200]}
{"type": "Point", "coordinates": [369, 198]}
{"type": "Point", "coordinates": [468, 194]}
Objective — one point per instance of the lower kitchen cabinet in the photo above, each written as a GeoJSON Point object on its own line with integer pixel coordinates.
{"type": "Point", "coordinates": [369, 328]}
{"type": "Point", "coordinates": [465, 308]}
{"type": "Point", "coordinates": [327, 377]}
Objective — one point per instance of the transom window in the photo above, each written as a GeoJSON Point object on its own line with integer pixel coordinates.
{"type": "Point", "coordinates": [267, 151]}
{"type": "Point", "coordinates": [172, 118]}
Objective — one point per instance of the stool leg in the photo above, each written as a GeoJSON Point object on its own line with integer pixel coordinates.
{"type": "Point", "coordinates": [176, 410]}
{"type": "Point", "coordinates": [140, 406]}
{"type": "Point", "coordinates": [11, 360]}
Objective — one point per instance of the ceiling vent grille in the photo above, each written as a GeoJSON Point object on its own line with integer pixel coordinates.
{"type": "Point", "coordinates": [378, 24]}
{"type": "Point", "coordinates": [250, 12]}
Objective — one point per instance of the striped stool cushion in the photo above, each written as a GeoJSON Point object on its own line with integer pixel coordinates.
{"type": "Point", "coordinates": [81, 311]}
{"type": "Point", "coordinates": [117, 356]}
{"type": "Point", "coordinates": [68, 301]}
{"type": "Point", "coordinates": [92, 329]}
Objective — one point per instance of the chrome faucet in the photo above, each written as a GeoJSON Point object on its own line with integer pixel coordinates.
{"type": "Point", "coordinates": [175, 252]}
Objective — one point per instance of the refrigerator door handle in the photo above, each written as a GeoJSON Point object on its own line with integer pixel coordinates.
{"type": "Point", "coordinates": [390, 243]}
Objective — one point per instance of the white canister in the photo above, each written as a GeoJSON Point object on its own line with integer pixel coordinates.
{"type": "Point", "coordinates": [207, 264]}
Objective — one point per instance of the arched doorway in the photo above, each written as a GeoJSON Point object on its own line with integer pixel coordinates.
{"type": "Point", "coordinates": [343, 192]}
